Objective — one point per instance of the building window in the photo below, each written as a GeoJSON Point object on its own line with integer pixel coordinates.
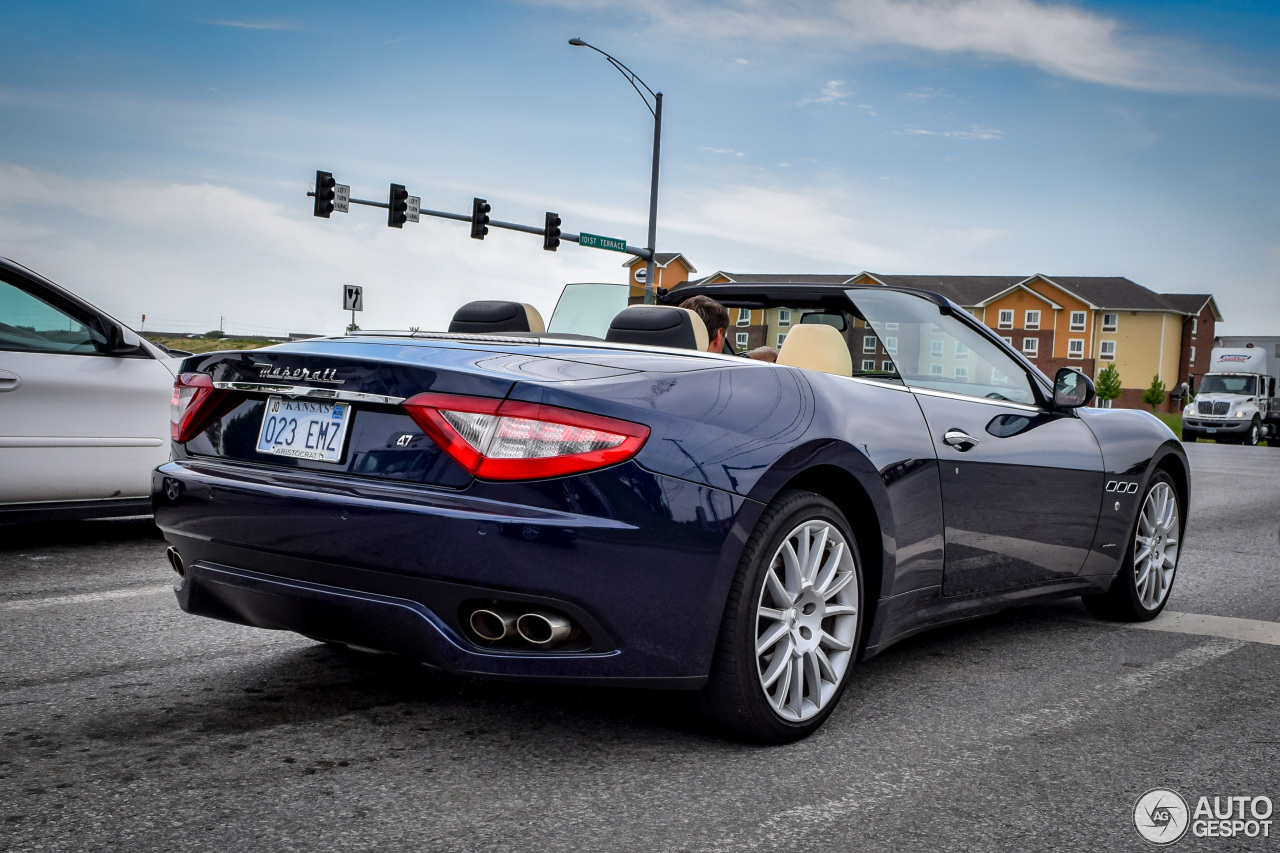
{"type": "Point", "coordinates": [1008, 341]}
{"type": "Point", "coordinates": [962, 373]}
{"type": "Point", "coordinates": [1030, 347]}
{"type": "Point", "coordinates": [784, 316]}
{"type": "Point", "coordinates": [741, 338]}
{"type": "Point", "coordinates": [868, 365]}
{"type": "Point", "coordinates": [1077, 321]}
{"type": "Point", "coordinates": [891, 327]}
{"type": "Point", "coordinates": [1110, 322]}
{"type": "Point", "coordinates": [869, 344]}
{"type": "Point", "coordinates": [891, 344]}
{"type": "Point", "coordinates": [1006, 319]}
{"type": "Point", "coordinates": [962, 351]}
{"type": "Point", "coordinates": [887, 366]}
{"type": "Point", "coordinates": [782, 336]}
{"type": "Point", "coordinates": [1193, 355]}
{"type": "Point", "coordinates": [1107, 350]}
{"type": "Point", "coordinates": [1033, 320]}
{"type": "Point", "coordinates": [935, 370]}
{"type": "Point", "coordinates": [935, 349]}
{"type": "Point", "coordinates": [1075, 348]}
{"type": "Point", "coordinates": [744, 316]}
{"type": "Point", "coordinates": [1194, 325]}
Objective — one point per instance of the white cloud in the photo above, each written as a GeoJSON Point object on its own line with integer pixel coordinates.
{"type": "Point", "coordinates": [975, 132]}
{"type": "Point", "coordinates": [832, 92]}
{"type": "Point", "coordinates": [1061, 39]}
{"type": "Point", "coordinates": [190, 253]}
{"type": "Point", "coordinates": [253, 25]}
{"type": "Point", "coordinates": [1139, 133]}
{"type": "Point", "coordinates": [721, 151]}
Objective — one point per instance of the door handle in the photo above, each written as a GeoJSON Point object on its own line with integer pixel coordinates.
{"type": "Point", "coordinates": [9, 381]}
{"type": "Point", "coordinates": [959, 439]}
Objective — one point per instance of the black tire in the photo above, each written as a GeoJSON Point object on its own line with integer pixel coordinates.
{"type": "Point", "coordinates": [1189, 436]}
{"type": "Point", "coordinates": [1122, 602]}
{"type": "Point", "coordinates": [1252, 435]}
{"type": "Point", "coordinates": [735, 699]}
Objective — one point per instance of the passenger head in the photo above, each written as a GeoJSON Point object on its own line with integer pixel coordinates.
{"type": "Point", "coordinates": [714, 316]}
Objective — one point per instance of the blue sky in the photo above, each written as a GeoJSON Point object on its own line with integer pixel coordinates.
{"type": "Point", "coordinates": [155, 156]}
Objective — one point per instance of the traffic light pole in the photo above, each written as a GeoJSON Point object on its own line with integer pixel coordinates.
{"type": "Point", "coordinates": [644, 254]}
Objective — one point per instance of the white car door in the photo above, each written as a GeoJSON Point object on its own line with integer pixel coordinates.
{"type": "Point", "coordinates": [77, 423]}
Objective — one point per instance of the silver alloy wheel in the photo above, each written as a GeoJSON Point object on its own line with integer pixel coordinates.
{"type": "Point", "coordinates": [1155, 550]}
{"type": "Point", "coordinates": [806, 620]}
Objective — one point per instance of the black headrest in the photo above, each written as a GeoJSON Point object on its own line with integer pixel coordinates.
{"type": "Point", "coordinates": [490, 316]}
{"type": "Point", "coordinates": [658, 325]}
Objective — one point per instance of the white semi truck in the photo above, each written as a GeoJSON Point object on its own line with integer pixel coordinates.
{"type": "Point", "coordinates": [1236, 400]}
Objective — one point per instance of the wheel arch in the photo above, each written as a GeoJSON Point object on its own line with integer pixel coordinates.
{"type": "Point", "coordinates": [847, 478]}
{"type": "Point", "coordinates": [1175, 465]}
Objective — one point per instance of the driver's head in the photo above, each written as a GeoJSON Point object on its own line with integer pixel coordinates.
{"type": "Point", "coordinates": [714, 316]}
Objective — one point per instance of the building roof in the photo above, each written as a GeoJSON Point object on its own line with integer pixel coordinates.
{"type": "Point", "coordinates": [1192, 304]}
{"type": "Point", "coordinates": [661, 260]}
{"type": "Point", "coordinates": [1101, 292]}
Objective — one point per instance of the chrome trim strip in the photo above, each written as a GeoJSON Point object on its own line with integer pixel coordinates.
{"type": "Point", "coordinates": [310, 393]}
{"type": "Point", "coordinates": [950, 395]}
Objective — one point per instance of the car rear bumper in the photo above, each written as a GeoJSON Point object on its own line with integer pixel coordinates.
{"type": "Point", "coordinates": [398, 568]}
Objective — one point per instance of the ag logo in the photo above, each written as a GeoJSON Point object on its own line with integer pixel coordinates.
{"type": "Point", "coordinates": [1161, 816]}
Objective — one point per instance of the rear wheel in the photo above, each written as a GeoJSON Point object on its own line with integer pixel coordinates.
{"type": "Point", "coordinates": [1140, 590]}
{"type": "Point", "coordinates": [791, 625]}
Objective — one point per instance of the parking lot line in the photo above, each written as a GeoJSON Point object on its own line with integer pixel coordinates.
{"type": "Point", "coordinates": [84, 597]}
{"type": "Point", "coordinates": [1227, 627]}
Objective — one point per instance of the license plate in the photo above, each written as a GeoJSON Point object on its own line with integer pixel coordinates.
{"type": "Point", "coordinates": [304, 429]}
{"type": "Point", "coordinates": [1211, 430]}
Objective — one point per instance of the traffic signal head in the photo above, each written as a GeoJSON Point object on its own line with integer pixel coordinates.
{"type": "Point", "coordinates": [479, 218]}
{"type": "Point", "coordinates": [324, 194]}
{"type": "Point", "coordinates": [551, 233]}
{"type": "Point", "coordinates": [397, 213]}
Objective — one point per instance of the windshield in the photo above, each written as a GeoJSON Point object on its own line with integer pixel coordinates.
{"type": "Point", "coordinates": [1218, 383]}
{"type": "Point", "coordinates": [588, 309]}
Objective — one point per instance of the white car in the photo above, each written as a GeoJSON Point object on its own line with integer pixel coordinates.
{"type": "Point", "coordinates": [84, 405]}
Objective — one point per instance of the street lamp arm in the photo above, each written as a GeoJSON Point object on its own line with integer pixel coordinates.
{"type": "Point", "coordinates": [624, 71]}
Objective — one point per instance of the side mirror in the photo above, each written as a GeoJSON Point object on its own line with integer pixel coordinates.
{"type": "Point", "coordinates": [1072, 389]}
{"type": "Point", "coordinates": [122, 341]}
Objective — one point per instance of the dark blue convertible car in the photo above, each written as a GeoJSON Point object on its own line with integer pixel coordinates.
{"type": "Point", "coordinates": [624, 508]}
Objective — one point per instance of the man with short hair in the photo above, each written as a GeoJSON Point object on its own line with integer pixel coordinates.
{"type": "Point", "coordinates": [716, 318]}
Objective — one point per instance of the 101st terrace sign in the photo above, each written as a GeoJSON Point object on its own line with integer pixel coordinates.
{"type": "Point", "coordinates": [595, 241]}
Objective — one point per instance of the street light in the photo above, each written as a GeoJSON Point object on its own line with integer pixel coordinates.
{"type": "Point", "coordinates": [656, 111]}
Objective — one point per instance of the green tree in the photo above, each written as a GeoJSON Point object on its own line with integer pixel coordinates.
{"type": "Point", "coordinates": [1108, 384]}
{"type": "Point", "coordinates": [352, 328]}
{"type": "Point", "coordinates": [1155, 394]}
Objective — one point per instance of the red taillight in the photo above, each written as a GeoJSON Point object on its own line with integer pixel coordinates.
{"type": "Point", "coordinates": [510, 440]}
{"type": "Point", "coordinates": [192, 407]}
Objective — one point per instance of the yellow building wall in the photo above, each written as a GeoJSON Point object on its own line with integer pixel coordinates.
{"type": "Point", "coordinates": [1138, 340]}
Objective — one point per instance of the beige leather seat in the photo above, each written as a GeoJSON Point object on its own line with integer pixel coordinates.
{"type": "Point", "coordinates": [815, 346]}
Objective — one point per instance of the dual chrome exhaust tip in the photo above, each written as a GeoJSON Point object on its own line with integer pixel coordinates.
{"type": "Point", "coordinates": [175, 560]}
{"type": "Point", "coordinates": [537, 627]}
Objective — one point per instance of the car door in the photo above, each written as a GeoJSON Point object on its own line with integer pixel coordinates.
{"type": "Point", "coordinates": [77, 423]}
{"type": "Point", "coordinates": [1021, 483]}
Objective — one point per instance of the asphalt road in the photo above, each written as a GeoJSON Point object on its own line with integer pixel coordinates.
{"type": "Point", "coordinates": [128, 725]}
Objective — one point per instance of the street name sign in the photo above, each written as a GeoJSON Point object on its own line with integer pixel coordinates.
{"type": "Point", "coordinates": [595, 241]}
